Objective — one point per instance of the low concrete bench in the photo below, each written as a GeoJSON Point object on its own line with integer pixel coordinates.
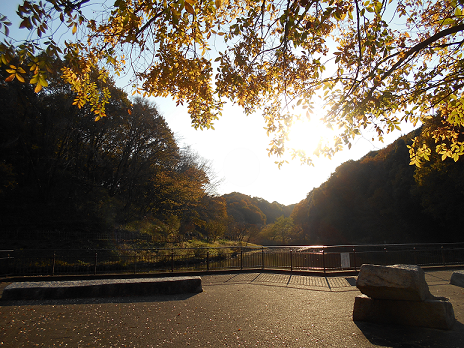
{"type": "Point", "coordinates": [101, 288]}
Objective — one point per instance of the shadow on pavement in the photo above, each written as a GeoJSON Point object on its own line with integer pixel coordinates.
{"type": "Point", "coordinates": [351, 281]}
{"type": "Point", "coordinates": [94, 300]}
{"type": "Point", "coordinates": [409, 336]}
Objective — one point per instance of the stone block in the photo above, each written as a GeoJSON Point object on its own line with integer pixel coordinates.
{"type": "Point", "coordinates": [101, 288]}
{"type": "Point", "coordinates": [432, 313]}
{"type": "Point", "coordinates": [397, 282]}
{"type": "Point", "coordinates": [457, 278]}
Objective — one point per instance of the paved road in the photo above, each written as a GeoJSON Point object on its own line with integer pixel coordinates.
{"type": "Point", "coordinates": [234, 310]}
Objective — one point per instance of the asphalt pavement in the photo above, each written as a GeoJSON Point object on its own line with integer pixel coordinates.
{"type": "Point", "coordinates": [234, 310]}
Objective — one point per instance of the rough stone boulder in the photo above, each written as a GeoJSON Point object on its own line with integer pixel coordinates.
{"type": "Point", "coordinates": [457, 278]}
{"type": "Point", "coordinates": [435, 313]}
{"type": "Point", "coordinates": [400, 295]}
{"type": "Point", "coordinates": [397, 282]}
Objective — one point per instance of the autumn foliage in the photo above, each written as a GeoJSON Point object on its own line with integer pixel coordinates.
{"type": "Point", "coordinates": [374, 64]}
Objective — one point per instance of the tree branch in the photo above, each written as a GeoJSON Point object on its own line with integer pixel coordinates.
{"type": "Point", "coordinates": [421, 45]}
{"type": "Point", "coordinates": [70, 6]}
{"type": "Point", "coordinates": [150, 21]}
{"type": "Point", "coordinates": [414, 51]}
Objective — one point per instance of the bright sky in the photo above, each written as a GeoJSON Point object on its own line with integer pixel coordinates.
{"type": "Point", "coordinates": [237, 148]}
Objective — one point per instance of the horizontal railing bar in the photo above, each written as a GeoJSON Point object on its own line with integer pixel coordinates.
{"type": "Point", "coordinates": [270, 246]}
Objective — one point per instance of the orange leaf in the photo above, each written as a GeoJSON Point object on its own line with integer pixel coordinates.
{"type": "Point", "coordinates": [189, 8]}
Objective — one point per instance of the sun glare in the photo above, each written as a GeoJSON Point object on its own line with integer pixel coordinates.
{"type": "Point", "coordinates": [306, 135]}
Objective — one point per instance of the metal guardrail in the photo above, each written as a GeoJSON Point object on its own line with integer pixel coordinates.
{"type": "Point", "coordinates": [326, 259]}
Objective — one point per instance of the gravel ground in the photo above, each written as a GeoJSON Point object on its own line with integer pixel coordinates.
{"type": "Point", "coordinates": [240, 310]}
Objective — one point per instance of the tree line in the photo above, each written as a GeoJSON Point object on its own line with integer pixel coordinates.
{"type": "Point", "coordinates": [381, 198]}
{"type": "Point", "coordinates": [62, 170]}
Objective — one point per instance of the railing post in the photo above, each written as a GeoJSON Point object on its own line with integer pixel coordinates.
{"type": "Point", "coordinates": [135, 263]}
{"type": "Point", "coordinates": [291, 261]}
{"type": "Point", "coordinates": [207, 260]}
{"type": "Point", "coordinates": [262, 257]}
{"type": "Point", "coordinates": [53, 264]}
{"type": "Point", "coordinates": [172, 260]}
{"type": "Point", "coordinates": [7, 268]}
{"type": "Point", "coordinates": [95, 264]}
{"type": "Point", "coordinates": [385, 249]}
{"type": "Point", "coordinates": [354, 257]}
{"type": "Point", "coordinates": [443, 256]}
{"type": "Point", "coordinates": [241, 257]}
{"type": "Point", "coordinates": [323, 259]}
{"type": "Point", "coordinates": [415, 256]}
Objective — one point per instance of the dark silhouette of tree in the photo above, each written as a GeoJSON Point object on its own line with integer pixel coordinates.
{"type": "Point", "coordinates": [62, 170]}
{"type": "Point", "coordinates": [382, 198]}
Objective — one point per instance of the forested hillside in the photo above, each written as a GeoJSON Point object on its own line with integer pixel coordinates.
{"type": "Point", "coordinates": [383, 199]}
{"type": "Point", "coordinates": [250, 215]}
{"type": "Point", "coordinates": [62, 171]}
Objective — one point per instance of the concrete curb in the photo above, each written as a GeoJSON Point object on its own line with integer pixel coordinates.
{"type": "Point", "coordinates": [101, 288]}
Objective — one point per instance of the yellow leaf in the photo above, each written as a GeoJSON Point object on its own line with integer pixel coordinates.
{"type": "Point", "coordinates": [43, 82]}
{"type": "Point", "coordinates": [74, 29]}
{"type": "Point", "coordinates": [218, 3]}
{"type": "Point", "coordinates": [10, 78]}
{"type": "Point", "coordinates": [38, 88]}
{"type": "Point", "coordinates": [20, 78]}
{"type": "Point", "coordinates": [5, 59]}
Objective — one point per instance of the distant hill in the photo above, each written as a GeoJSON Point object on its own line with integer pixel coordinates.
{"type": "Point", "coordinates": [382, 199]}
{"type": "Point", "coordinates": [254, 210]}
